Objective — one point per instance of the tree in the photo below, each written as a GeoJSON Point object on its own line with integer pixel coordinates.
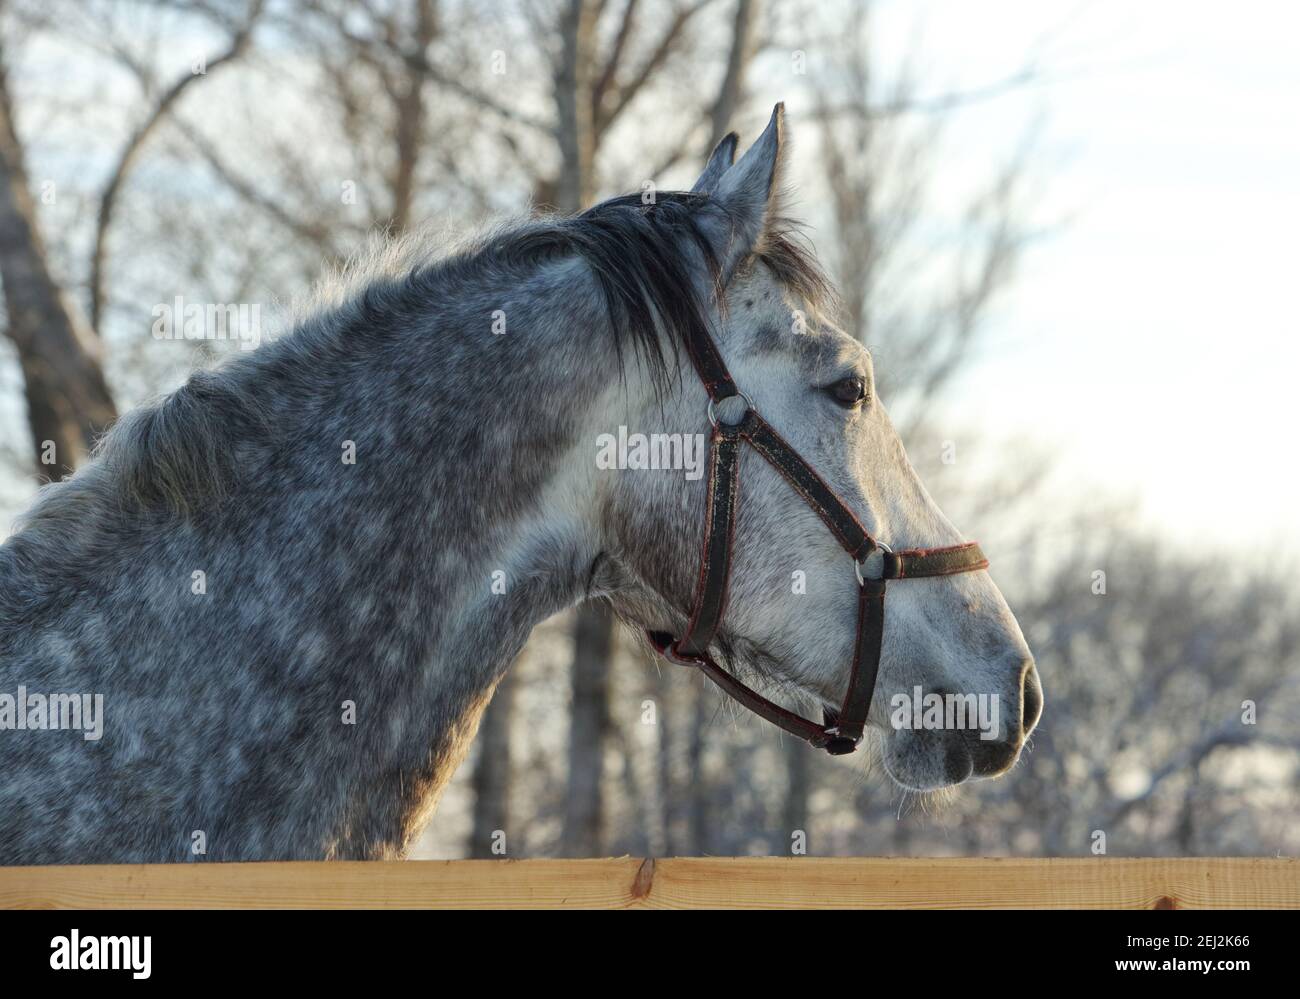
{"type": "Point", "coordinates": [68, 401]}
{"type": "Point", "coordinates": [588, 103]}
{"type": "Point", "coordinates": [344, 117]}
{"type": "Point", "coordinates": [61, 355]}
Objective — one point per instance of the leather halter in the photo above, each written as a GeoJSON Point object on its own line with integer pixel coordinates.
{"type": "Point", "coordinates": [874, 564]}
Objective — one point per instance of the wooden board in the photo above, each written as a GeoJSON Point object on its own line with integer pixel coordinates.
{"type": "Point", "coordinates": [697, 882]}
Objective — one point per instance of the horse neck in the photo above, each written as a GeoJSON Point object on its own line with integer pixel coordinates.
{"type": "Point", "coordinates": [500, 429]}
{"type": "Point", "coordinates": [403, 582]}
{"type": "Point", "coordinates": [471, 509]}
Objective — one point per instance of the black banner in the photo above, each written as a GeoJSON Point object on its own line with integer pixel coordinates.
{"type": "Point", "coordinates": [918, 948]}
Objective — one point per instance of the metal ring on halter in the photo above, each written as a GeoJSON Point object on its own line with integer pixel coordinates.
{"type": "Point", "coordinates": [713, 413]}
{"type": "Point", "coordinates": [882, 550]}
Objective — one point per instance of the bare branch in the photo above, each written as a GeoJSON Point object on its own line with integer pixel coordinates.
{"type": "Point", "coordinates": [731, 90]}
{"type": "Point", "coordinates": [315, 232]}
{"type": "Point", "coordinates": [129, 153]}
{"type": "Point", "coordinates": [622, 96]}
{"type": "Point", "coordinates": [612, 61]}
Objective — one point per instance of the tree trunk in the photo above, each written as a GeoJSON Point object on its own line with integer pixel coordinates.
{"type": "Point", "coordinates": [491, 779]}
{"type": "Point", "coordinates": [731, 92]}
{"type": "Point", "coordinates": [664, 733]}
{"type": "Point", "coordinates": [573, 191]}
{"type": "Point", "coordinates": [68, 402]}
{"type": "Point", "coordinates": [573, 105]}
{"type": "Point", "coordinates": [697, 816]}
{"type": "Point", "coordinates": [588, 728]}
{"type": "Point", "coordinates": [409, 125]}
{"type": "Point", "coordinates": [593, 639]}
{"type": "Point", "coordinates": [794, 813]}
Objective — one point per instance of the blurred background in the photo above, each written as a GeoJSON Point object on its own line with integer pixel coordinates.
{"type": "Point", "coordinates": [1064, 229]}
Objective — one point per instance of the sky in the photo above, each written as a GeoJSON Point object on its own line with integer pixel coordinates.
{"type": "Point", "coordinates": [1152, 334]}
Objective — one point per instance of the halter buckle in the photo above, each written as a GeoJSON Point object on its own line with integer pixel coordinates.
{"type": "Point", "coordinates": [877, 554]}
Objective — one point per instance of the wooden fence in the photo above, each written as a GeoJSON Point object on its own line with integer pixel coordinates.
{"type": "Point", "coordinates": [687, 883]}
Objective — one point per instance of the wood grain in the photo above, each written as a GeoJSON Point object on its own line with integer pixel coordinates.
{"type": "Point", "coordinates": [681, 883]}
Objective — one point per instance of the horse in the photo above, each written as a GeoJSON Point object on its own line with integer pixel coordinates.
{"type": "Point", "coordinates": [296, 580]}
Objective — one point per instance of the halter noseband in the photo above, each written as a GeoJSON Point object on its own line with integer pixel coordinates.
{"type": "Point", "coordinates": [873, 562]}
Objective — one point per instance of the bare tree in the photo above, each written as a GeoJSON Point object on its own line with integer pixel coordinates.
{"type": "Point", "coordinates": [157, 112]}
{"type": "Point", "coordinates": [877, 144]}
{"type": "Point", "coordinates": [68, 401]}
{"type": "Point", "coordinates": [62, 357]}
{"type": "Point", "coordinates": [591, 90]}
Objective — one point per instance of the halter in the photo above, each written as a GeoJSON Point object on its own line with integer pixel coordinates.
{"type": "Point", "coordinates": [873, 563]}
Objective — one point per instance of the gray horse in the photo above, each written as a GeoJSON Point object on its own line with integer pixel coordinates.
{"type": "Point", "coordinates": [291, 586]}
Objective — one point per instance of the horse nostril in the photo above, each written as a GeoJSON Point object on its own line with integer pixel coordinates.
{"type": "Point", "coordinates": [958, 761]}
{"type": "Point", "coordinates": [989, 757]}
{"type": "Point", "coordinates": [1031, 699]}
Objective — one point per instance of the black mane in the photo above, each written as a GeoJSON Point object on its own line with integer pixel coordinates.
{"type": "Point", "coordinates": [645, 260]}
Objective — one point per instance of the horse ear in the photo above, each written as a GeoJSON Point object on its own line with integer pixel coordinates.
{"type": "Point", "coordinates": [720, 160]}
{"type": "Point", "coordinates": [745, 194]}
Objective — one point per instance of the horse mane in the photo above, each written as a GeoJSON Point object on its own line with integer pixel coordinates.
{"type": "Point", "coordinates": [185, 449]}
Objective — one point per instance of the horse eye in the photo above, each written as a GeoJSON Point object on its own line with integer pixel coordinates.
{"type": "Point", "coordinates": [848, 392]}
